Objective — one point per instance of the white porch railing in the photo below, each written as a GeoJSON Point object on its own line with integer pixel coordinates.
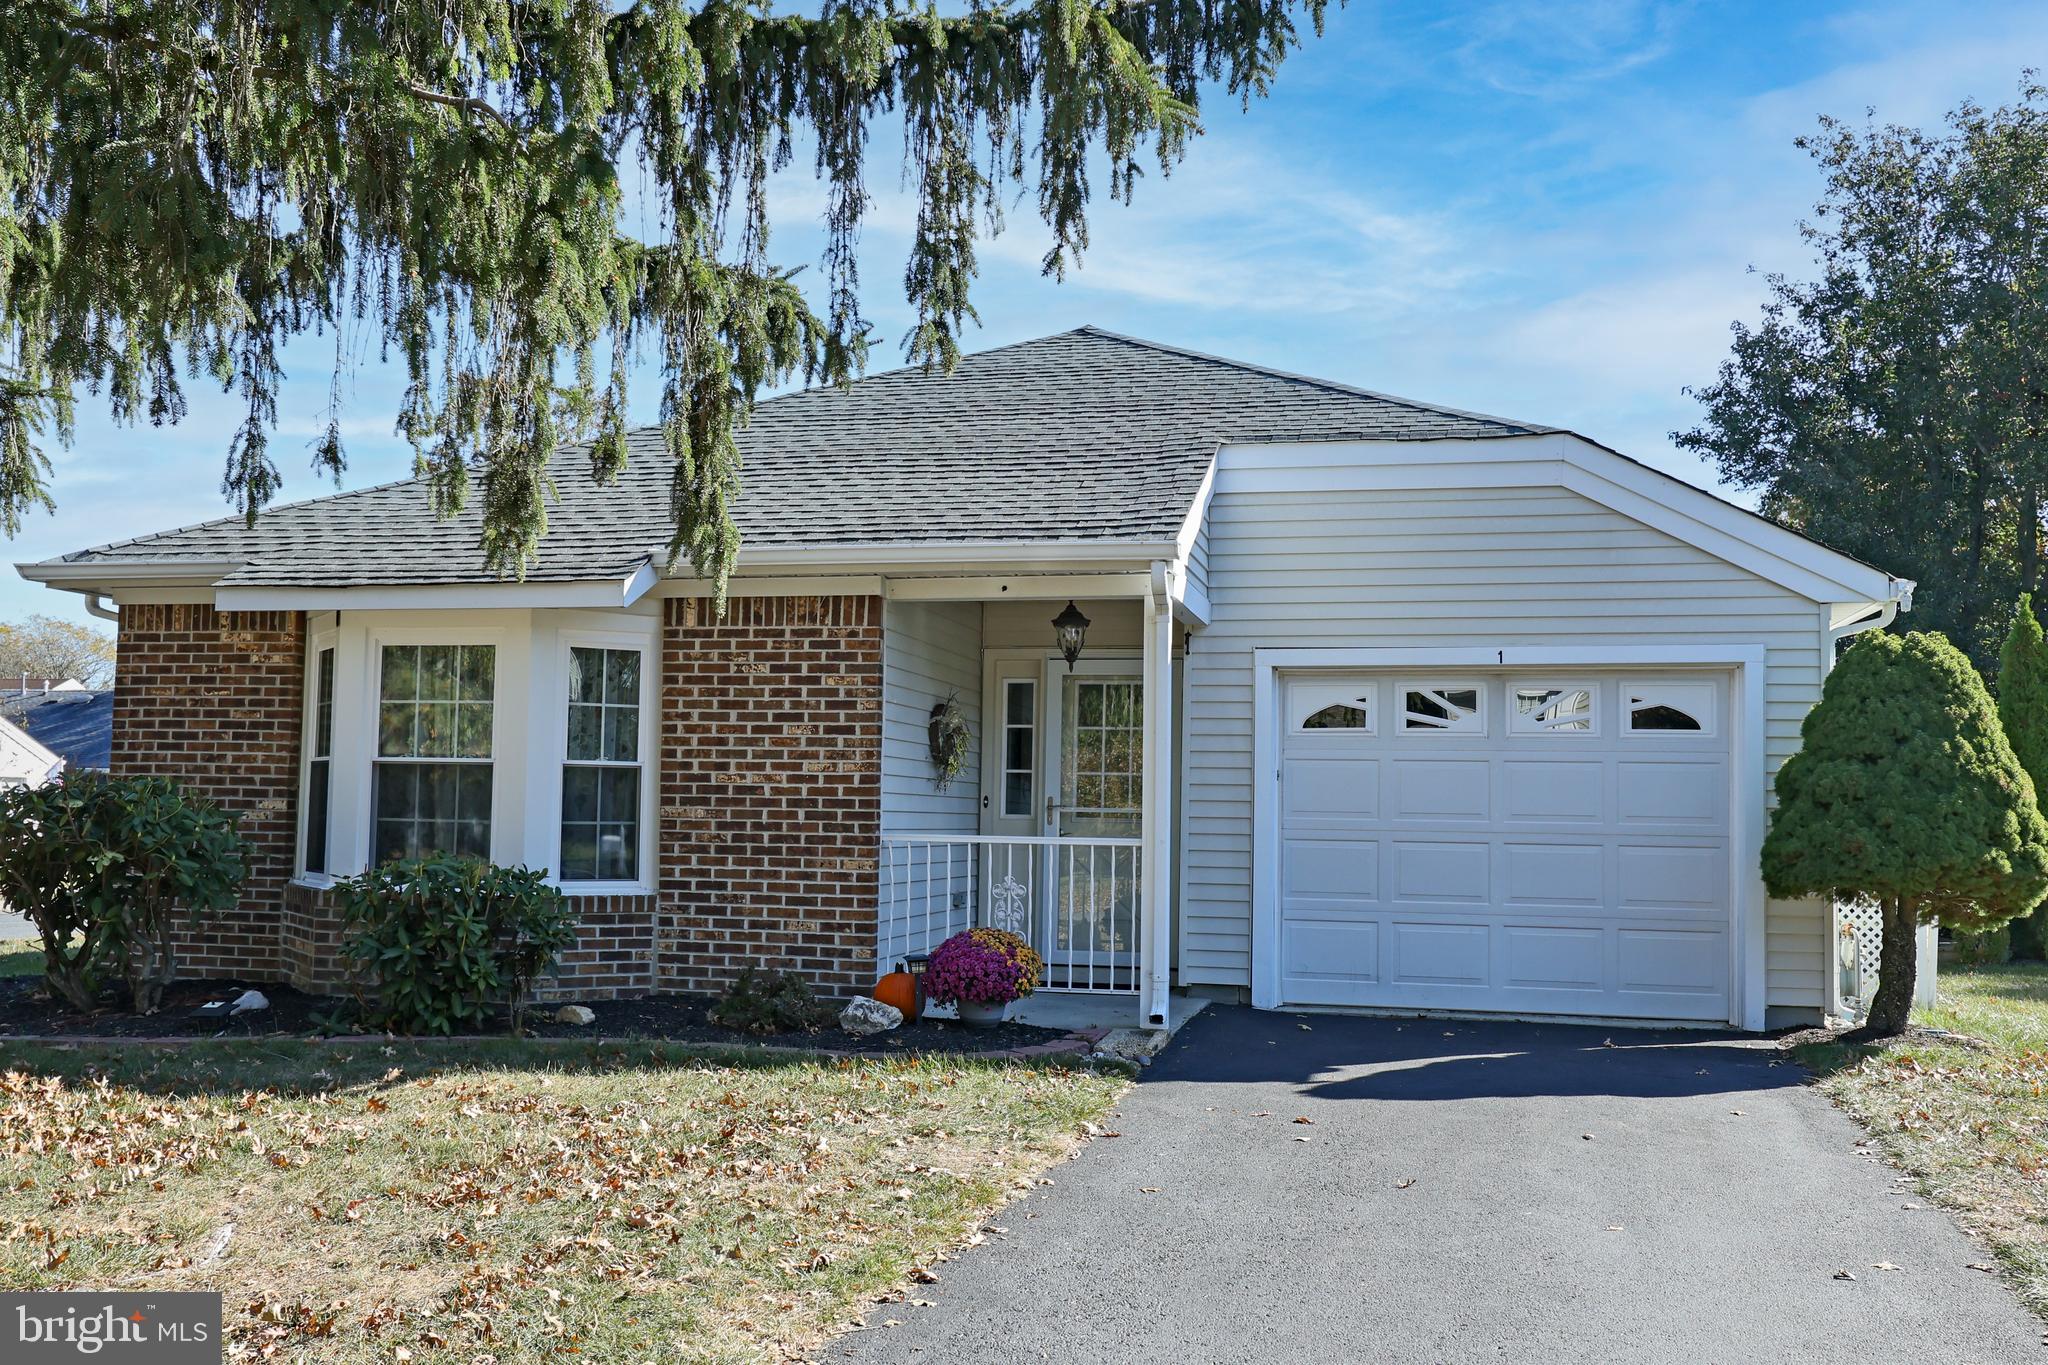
{"type": "Point", "coordinates": [1076, 900]}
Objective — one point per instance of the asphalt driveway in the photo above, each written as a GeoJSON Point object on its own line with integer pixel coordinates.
{"type": "Point", "coordinates": [1466, 1192]}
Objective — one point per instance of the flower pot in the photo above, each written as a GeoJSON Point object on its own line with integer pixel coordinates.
{"type": "Point", "coordinates": [975, 1014]}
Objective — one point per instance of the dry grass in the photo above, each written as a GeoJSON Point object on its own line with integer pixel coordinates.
{"type": "Point", "coordinates": [1969, 1118]}
{"type": "Point", "coordinates": [504, 1202]}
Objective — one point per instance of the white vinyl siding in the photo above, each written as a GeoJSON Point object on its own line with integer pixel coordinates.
{"type": "Point", "coordinates": [930, 651]}
{"type": "Point", "coordinates": [1456, 568]}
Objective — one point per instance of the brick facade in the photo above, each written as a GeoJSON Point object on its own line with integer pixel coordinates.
{"type": "Point", "coordinates": [770, 793]}
{"type": "Point", "coordinates": [771, 796]}
{"type": "Point", "coordinates": [210, 699]}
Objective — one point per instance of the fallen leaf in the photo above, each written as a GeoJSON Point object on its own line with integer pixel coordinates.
{"type": "Point", "coordinates": [1585, 1137]}
{"type": "Point", "coordinates": [1301, 1137]}
{"type": "Point", "coordinates": [1304, 1119]}
{"type": "Point", "coordinates": [1884, 1265]}
{"type": "Point", "coordinates": [1404, 1184]}
{"type": "Point", "coordinates": [1614, 1227]}
{"type": "Point", "coordinates": [1736, 1112]}
{"type": "Point", "coordinates": [1986, 1266]}
{"type": "Point", "coordinates": [1843, 1275]}
{"type": "Point", "coordinates": [1148, 1189]}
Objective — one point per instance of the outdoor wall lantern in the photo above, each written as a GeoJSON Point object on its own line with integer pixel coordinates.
{"type": "Point", "coordinates": [1071, 628]}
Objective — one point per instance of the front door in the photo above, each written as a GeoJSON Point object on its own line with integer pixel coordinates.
{"type": "Point", "coordinates": [1095, 726]}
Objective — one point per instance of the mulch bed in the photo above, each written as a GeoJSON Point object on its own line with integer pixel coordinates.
{"type": "Point", "coordinates": [27, 1013]}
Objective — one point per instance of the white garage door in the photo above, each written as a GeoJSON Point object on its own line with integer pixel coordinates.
{"type": "Point", "coordinates": [1529, 843]}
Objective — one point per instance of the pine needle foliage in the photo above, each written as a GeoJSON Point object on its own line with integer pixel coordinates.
{"type": "Point", "coordinates": [186, 185]}
{"type": "Point", "coordinates": [1905, 791]}
{"type": "Point", "coordinates": [2023, 710]}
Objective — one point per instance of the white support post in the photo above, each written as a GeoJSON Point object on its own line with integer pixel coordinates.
{"type": "Point", "coordinates": [1155, 963]}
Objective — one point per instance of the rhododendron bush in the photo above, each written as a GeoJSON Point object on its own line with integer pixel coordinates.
{"type": "Point", "coordinates": [982, 967]}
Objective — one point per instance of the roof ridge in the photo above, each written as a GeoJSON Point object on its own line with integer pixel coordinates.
{"type": "Point", "coordinates": [1333, 385]}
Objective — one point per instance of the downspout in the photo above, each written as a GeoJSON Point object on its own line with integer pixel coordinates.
{"type": "Point", "coordinates": [95, 605]}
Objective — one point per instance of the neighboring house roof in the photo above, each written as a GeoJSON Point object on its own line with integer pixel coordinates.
{"type": "Point", "coordinates": [15, 684]}
{"type": "Point", "coordinates": [23, 761]}
{"type": "Point", "coordinates": [1084, 436]}
{"type": "Point", "coordinates": [76, 725]}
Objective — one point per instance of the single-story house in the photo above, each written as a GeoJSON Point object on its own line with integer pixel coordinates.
{"type": "Point", "coordinates": [1379, 704]}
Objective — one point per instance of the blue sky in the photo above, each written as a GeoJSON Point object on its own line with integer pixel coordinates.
{"type": "Point", "coordinates": [1544, 210]}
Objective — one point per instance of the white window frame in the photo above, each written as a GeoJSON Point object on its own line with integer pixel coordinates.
{"type": "Point", "coordinates": [1522, 724]}
{"type": "Point", "coordinates": [324, 638]}
{"type": "Point", "coordinates": [1313, 698]}
{"type": "Point", "coordinates": [549, 836]}
{"type": "Point", "coordinates": [504, 832]}
{"type": "Point", "coordinates": [1474, 726]}
{"type": "Point", "coordinates": [1707, 714]}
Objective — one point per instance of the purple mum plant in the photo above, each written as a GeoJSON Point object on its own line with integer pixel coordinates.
{"type": "Point", "coordinates": [983, 967]}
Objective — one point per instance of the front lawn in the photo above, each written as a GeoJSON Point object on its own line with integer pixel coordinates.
{"type": "Point", "coordinates": [1968, 1117]}
{"type": "Point", "coordinates": [512, 1202]}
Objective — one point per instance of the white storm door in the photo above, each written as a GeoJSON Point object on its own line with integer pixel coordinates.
{"type": "Point", "coordinates": [1095, 743]}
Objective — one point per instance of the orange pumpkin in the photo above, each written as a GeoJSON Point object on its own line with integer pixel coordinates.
{"type": "Point", "coordinates": [898, 989]}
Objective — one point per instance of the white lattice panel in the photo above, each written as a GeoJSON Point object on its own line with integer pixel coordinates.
{"type": "Point", "coordinates": [1862, 923]}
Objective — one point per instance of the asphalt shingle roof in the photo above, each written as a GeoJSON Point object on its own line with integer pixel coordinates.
{"type": "Point", "coordinates": [1082, 436]}
{"type": "Point", "coordinates": [76, 726]}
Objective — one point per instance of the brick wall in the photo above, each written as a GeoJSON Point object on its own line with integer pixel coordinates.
{"type": "Point", "coordinates": [771, 734]}
{"type": "Point", "coordinates": [211, 700]}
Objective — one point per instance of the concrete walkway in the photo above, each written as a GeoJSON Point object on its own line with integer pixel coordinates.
{"type": "Point", "coordinates": [1466, 1192]}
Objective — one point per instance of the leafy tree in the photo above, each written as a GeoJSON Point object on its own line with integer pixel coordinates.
{"type": "Point", "coordinates": [1905, 791]}
{"type": "Point", "coordinates": [1896, 406]}
{"type": "Point", "coordinates": [2023, 711]}
{"type": "Point", "coordinates": [45, 647]}
{"type": "Point", "coordinates": [186, 184]}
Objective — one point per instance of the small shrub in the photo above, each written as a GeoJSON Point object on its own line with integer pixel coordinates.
{"type": "Point", "coordinates": [440, 942]}
{"type": "Point", "coordinates": [1989, 948]}
{"type": "Point", "coordinates": [104, 866]}
{"type": "Point", "coordinates": [765, 1000]}
{"type": "Point", "coordinates": [983, 966]}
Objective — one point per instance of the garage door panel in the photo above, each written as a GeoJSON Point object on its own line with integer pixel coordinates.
{"type": "Point", "coordinates": [1677, 877]}
{"type": "Point", "coordinates": [1440, 954]}
{"type": "Point", "coordinates": [1510, 866]}
{"type": "Point", "coordinates": [1554, 874]}
{"type": "Point", "coordinates": [1331, 950]}
{"type": "Point", "coordinates": [1442, 789]}
{"type": "Point", "coordinates": [1346, 868]}
{"type": "Point", "coordinates": [1671, 793]}
{"type": "Point", "coordinates": [1553, 957]}
{"type": "Point", "coordinates": [1667, 961]}
{"type": "Point", "coordinates": [1324, 790]}
{"type": "Point", "coordinates": [1445, 873]}
{"type": "Point", "coordinates": [1545, 792]}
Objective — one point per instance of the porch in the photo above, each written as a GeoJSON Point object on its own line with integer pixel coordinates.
{"type": "Point", "coordinates": [1058, 824]}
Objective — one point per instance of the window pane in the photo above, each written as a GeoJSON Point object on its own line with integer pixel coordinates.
{"type": "Point", "coordinates": [316, 816]}
{"type": "Point", "coordinates": [473, 730]}
{"type": "Point", "coordinates": [622, 733]}
{"type": "Point", "coordinates": [618, 794]}
{"type": "Point", "coordinates": [437, 672]}
{"type": "Point", "coordinates": [579, 795]}
{"type": "Point", "coordinates": [399, 682]}
{"type": "Point", "coordinates": [1019, 704]}
{"type": "Point", "coordinates": [618, 856]}
{"type": "Point", "coordinates": [622, 676]}
{"type": "Point", "coordinates": [479, 672]}
{"type": "Point", "coordinates": [586, 675]}
{"type": "Point", "coordinates": [1017, 794]}
{"type": "Point", "coordinates": [585, 727]}
{"type": "Point", "coordinates": [323, 703]}
{"type": "Point", "coordinates": [1336, 716]}
{"type": "Point", "coordinates": [436, 730]}
{"type": "Point", "coordinates": [1017, 748]}
{"type": "Point", "coordinates": [425, 808]}
{"type": "Point", "coordinates": [579, 853]}
{"type": "Point", "coordinates": [1661, 718]}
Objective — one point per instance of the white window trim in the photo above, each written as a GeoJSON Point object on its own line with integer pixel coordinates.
{"type": "Point", "coordinates": [1004, 725]}
{"type": "Point", "coordinates": [325, 637]}
{"type": "Point", "coordinates": [1707, 716]}
{"type": "Point", "coordinates": [556, 718]}
{"type": "Point", "coordinates": [1476, 729]}
{"type": "Point", "coordinates": [1516, 720]}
